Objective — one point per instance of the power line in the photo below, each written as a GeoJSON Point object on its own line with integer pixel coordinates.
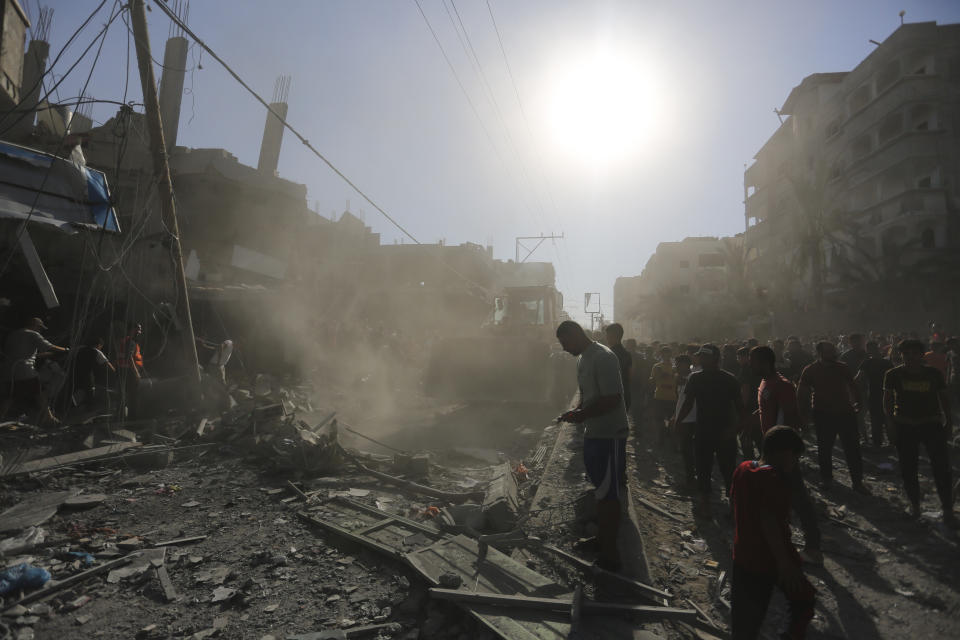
{"type": "Point", "coordinates": [286, 124]}
{"type": "Point", "coordinates": [304, 140]}
{"type": "Point", "coordinates": [526, 121]}
{"type": "Point", "coordinates": [51, 67]}
{"type": "Point", "coordinates": [102, 36]}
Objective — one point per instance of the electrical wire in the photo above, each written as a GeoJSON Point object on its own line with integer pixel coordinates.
{"type": "Point", "coordinates": [286, 124]}
{"type": "Point", "coordinates": [304, 140]}
{"type": "Point", "coordinates": [51, 67]}
{"type": "Point", "coordinates": [46, 176]}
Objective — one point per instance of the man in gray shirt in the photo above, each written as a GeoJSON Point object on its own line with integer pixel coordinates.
{"type": "Point", "coordinates": [20, 352]}
{"type": "Point", "coordinates": [602, 411]}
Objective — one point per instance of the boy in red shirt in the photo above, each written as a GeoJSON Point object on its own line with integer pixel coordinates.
{"type": "Point", "coordinates": [763, 556]}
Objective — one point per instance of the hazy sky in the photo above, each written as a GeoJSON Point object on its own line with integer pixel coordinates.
{"type": "Point", "coordinates": [641, 115]}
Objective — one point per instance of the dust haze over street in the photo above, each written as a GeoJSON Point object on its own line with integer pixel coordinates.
{"type": "Point", "coordinates": [435, 319]}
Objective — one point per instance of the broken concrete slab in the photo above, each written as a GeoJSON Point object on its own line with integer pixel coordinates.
{"type": "Point", "coordinates": [84, 501]}
{"type": "Point", "coordinates": [34, 511]}
{"type": "Point", "coordinates": [138, 566]}
{"type": "Point", "coordinates": [45, 464]}
{"type": "Point", "coordinates": [500, 501]}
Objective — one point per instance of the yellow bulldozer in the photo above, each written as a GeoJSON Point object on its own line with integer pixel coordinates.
{"type": "Point", "coordinates": [515, 357]}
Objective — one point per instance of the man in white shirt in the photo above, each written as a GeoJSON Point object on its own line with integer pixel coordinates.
{"type": "Point", "coordinates": [20, 350]}
{"type": "Point", "coordinates": [602, 411]}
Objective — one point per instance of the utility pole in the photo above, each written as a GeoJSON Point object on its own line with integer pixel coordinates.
{"type": "Point", "coordinates": [540, 239]}
{"type": "Point", "coordinates": [161, 170]}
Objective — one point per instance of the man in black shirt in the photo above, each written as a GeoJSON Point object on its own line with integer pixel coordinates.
{"type": "Point", "coordinates": [716, 394]}
{"type": "Point", "coordinates": [917, 405]}
{"type": "Point", "coordinates": [750, 436]}
{"type": "Point", "coordinates": [871, 372]}
{"type": "Point", "coordinates": [90, 358]}
{"type": "Point", "coordinates": [853, 358]}
{"type": "Point", "coordinates": [614, 334]}
{"type": "Point", "coordinates": [796, 359]}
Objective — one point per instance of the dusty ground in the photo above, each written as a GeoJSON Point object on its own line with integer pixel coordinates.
{"type": "Point", "coordinates": [279, 576]}
{"type": "Point", "coordinates": [884, 575]}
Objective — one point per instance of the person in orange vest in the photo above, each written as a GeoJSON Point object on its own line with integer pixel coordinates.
{"type": "Point", "coordinates": [130, 367]}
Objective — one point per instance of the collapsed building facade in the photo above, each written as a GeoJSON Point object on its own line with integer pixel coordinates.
{"type": "Point", "coordinates": [262, 267]}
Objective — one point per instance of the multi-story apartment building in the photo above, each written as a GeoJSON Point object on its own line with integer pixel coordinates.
{"type": "Point", "coordinates": [858, 191]}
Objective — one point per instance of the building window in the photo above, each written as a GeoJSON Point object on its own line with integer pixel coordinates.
{"type": "Point", "coordinates": [928, 239]}
{"type": "Point", "coordinates": [711, 260]}
{"type": "Point", "coordinates": [833, 128]}
{"type": "Point", "coordinates": [923, 183]}
{"type": "Point", "coordinates": [684, 264]}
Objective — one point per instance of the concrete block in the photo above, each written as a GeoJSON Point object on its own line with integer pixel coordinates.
{"type": "Point", "coordinates": [500, 502]}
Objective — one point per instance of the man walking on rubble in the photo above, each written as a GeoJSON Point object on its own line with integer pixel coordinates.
{"type": "Point", "coordinates": [830, 384]}
{"type": "Point", "coordinates": [716, 394]}
{"type": "Point", "coordinates": [763, 555]}
{"type": "Point", "coordinates": [853, 358]}
{"type": "Point", "coordinates": [917, 405]}
{"type": "Point", "coordinates": [602, 412]}
{"type": "Point", "coordinates": [777, 402]}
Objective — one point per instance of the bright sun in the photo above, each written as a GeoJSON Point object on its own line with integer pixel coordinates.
{"type": "Point", "coordinates": [602, 107]}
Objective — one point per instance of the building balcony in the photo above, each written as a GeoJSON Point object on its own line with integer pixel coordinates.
{"type": "Point", "coordinates": [910, 207]}
{"type": "Point", "coordinates": [909, 144]}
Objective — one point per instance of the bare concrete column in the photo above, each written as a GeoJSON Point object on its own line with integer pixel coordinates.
{"type": "Point", "coordinates": [272, 138]}
{"type": "Point", "coordinates": [171, 88]}
{"type": "Point", "coordinates": [34, 66]}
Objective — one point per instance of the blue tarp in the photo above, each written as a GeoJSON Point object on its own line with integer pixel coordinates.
{"type": "Point", "coordinates": [48, 189]}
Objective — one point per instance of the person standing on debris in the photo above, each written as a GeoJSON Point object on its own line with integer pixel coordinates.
{"type": "Point", "coordinates": [614, 337]}
{"type": "Point", "coordinates": [686, 429]}
{"type": "Point", "coordinates": [763, 555]}
{"type": "Point", "coordinates": [21, 350]}
{"type": "Point", "coordinates": [90, 357]}
{"type": "Point", "coordinates": [218, 362]}
{"type": "Point", "coordinates": [777, 402]}
{"type": "Point", "coordinates": [831, 385]}
{"type": "Point", "coordinates": [664, 381]}
{"type": "Point", "coordinates": [796, 359]}
{"type": "Point", "coordinates": [716, 394]}
{"type": "Point", "coordinates": [917, 405]}
{"type": "Point", "coordinates": [853, 358]}
{"type": "Point", "coordinates": [130, 366]}
{"type": "Point", "coordinates": [749, 385]}
{"type": "Point", "coordinates": [872, 371]}
{"type": "Point", "coordinates": [602, 412]}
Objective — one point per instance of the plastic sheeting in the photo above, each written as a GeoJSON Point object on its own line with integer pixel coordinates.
{"type": "Point", "coordinates": [47, 189]}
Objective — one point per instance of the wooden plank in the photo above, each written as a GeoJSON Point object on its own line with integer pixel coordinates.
{"type": "Point", "coordinates": [496, 572]}
{"type": "Point", "coordinates": [650, 593]}
{"type": "Point", "coordinates": [178, 541]}
{"type": "Point", "coordinates": [55, 586]}
{"type": "Point", "coordinates": [661, 510]}
{"type": "Point", "coordinates": [169, 592]}
{"type": "Point", "coordinates": [44, 464]}
{"type": "Point", "coordinates": [33, 511]}
{"type": "Point", "coordinates": [349, 535]}
{"type": "Point", "coordinates": [560, 604]}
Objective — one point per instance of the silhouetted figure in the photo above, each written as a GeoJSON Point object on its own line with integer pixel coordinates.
{"type": "Point", "coordinates": [916, 402]}
{"type": "Point", "coordinates": [21, 350]}
{"type": "Point", "coordinates": [719, 415]}
{"type": "Point", "coordinates": [872, 370]}
{"type": "Point", "coordinates": [831, 385]}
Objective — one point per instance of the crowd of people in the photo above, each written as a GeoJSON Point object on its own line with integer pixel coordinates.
{"type": "Point", "coordinates": [756, 401]}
